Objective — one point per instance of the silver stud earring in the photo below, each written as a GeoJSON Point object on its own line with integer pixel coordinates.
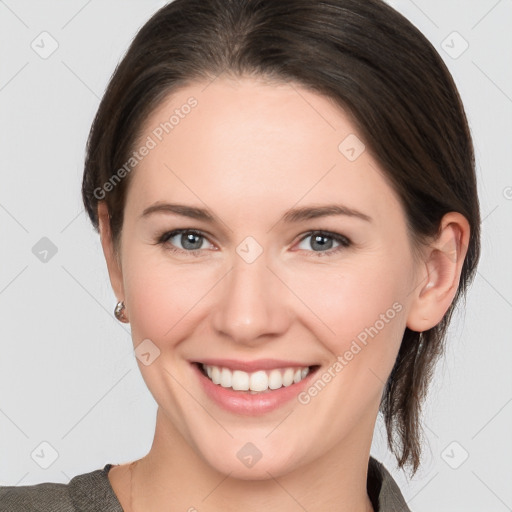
{"type": "Point", "coordinates": [119, 312]}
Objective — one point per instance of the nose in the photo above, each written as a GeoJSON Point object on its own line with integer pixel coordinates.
{"type": "Point", "coordinates": [253, 303]}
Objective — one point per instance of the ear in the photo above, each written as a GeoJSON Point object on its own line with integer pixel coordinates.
{"type": "Point", "coordinates": [439, 274]}
{"type": "Point", "coordinates": [112, 259]}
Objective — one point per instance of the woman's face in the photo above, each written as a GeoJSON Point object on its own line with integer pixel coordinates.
{"type": "Point", "coordinates": [299, 256]}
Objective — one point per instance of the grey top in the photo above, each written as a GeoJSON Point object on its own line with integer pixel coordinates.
{"type": "Point", "coordinates": [92, 492]}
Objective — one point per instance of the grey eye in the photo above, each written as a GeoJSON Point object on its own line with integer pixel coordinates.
{"type": "Point", "coordinates": [318, 242]}
{"type": "Point", "coordinates": [187, 240]}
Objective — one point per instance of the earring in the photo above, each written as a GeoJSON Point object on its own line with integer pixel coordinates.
{"type": "Point", "coordinates": [119, 312]}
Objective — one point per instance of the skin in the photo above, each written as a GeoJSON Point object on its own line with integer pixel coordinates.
{"type": "Point", "coordinates": [248, 152]}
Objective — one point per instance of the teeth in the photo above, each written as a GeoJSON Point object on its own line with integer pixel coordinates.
{"type": "Point", "coordinates": [256, 382]}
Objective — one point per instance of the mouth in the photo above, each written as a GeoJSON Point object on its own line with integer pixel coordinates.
{"type": "Point", "coordinates": [255, 388]}
{"type": "Point", "coordinates": [259, 380]}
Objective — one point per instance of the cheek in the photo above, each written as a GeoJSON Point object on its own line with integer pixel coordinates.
{"type": "Point", "coordinates": [363, 317]}
{"type": "Point", "coordinates": [358, 311]}
{"type": "Point", "coordinates": [163, 298]}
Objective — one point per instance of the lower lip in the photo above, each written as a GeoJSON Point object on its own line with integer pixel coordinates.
{"type": "Point", "coordinates": [243, 402]}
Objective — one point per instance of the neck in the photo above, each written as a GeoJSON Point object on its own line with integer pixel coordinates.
{"type": "Point", "coordinates": [173, 476]}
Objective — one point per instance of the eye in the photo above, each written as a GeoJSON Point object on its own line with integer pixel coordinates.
{"type": "Point", "coordinates": [192, 242]}
{"type": "Point", "coordinates": [185, 240]}
{"type": "Point", "coordinates": [323, 242]}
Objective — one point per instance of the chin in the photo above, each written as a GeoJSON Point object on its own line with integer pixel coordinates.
{"type": "Point", "coordinates": [244, 461]}
{"type": "Point", "coordinates": [261, 470]}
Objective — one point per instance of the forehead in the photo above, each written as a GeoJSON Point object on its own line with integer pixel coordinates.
{"type": "Point", "coordinates": [265, 142]}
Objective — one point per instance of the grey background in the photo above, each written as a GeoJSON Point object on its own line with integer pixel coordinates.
{"type": "Point", "coordinates": [68, 376]}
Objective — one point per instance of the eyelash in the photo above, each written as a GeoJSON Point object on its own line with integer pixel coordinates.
{"type": "Point", "coordinates": [343, 241]}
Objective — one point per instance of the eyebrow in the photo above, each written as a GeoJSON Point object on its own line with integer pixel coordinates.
{"type": "Point", "coordinates": [290, 216]}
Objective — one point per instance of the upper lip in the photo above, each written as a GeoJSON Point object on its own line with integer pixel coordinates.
{"type": "Point", "coordinates": [252, 366]}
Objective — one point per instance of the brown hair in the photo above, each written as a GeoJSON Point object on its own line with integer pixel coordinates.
{"type": "Point", "coordinates": [372, 62]}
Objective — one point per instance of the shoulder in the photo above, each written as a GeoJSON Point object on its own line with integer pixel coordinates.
{"type": "Point", "coordinates": [89, 492]}
{"type": "Point", "coordinates": [383, 490]}
{"type": "Point", "coordinates": [35, 498]}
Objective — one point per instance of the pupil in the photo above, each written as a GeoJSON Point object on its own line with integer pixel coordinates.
{"type": "Point", "coordinates": [191, 241]}
{"type": "Point", "coordinates": [322, 242]}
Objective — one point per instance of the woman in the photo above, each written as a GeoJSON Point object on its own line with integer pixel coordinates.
{"type": "Point", "coordinates": [286, 198]}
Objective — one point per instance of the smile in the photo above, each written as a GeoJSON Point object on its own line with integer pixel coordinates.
{"type": "Point", "coordinates": [252, 388]}
{"type": "Point", "coordinates": [259, 381]}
